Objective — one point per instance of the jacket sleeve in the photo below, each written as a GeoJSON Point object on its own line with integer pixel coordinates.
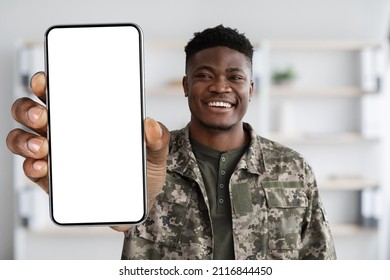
{"type": "Point", "coordinates": [317, 241]}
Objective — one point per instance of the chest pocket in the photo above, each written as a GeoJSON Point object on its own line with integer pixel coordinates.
{"type": "Point", "coordinates": [287, 203]}
{"type": "Point", "coordinates": [168, 214]}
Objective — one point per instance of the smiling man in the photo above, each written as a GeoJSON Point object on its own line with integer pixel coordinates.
{"type": "Point", "coordinates": [216, 189]}
{"type": "Point", "coordinates": [229, 193]}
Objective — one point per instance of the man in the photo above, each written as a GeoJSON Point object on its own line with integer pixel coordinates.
{"type": "Point", "coordinates": [218, 190]}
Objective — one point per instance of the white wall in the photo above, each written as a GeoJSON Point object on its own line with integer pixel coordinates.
{"type": "Point", "coordinates": [360, 20]}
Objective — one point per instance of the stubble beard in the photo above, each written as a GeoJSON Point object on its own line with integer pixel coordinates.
{"type": "Point", "coordinates": [213, 127]}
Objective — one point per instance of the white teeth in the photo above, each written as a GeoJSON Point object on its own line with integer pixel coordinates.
{"type": "Point", "coordinates": [220, 104]}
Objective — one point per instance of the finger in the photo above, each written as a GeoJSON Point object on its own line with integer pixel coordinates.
{"type": "Point", "coordinates": [27, 144]}
{"type": "Point", "coordinates": [157, 140]}
{"type": "Point", "coordinates": [30, 114]}
{"type": "Point", "coordinates": [156, 134]}
{"type": "Point", "coordinates": [36, 171]}
{"type": "Point", "coordinates": [38, 85]}
{"type": "Point", "coordinates": [157, 144]}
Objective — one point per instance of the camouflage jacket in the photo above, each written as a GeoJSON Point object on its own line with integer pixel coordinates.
{"type": "Point", "coordinates": [276, 209]}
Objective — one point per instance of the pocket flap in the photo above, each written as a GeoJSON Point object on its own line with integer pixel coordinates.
{"type": "Point", "coordinates": [281, 194]}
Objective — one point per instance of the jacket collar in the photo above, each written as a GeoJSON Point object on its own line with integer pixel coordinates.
{"type": "Point", "coordinates": [182, 159]}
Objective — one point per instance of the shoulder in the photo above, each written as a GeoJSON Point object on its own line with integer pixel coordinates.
{"type": "Point", "coordinates": [272, 149]}
{"type": "Point", "coordinates": [177, 133]}
{"type": "Point", "coordinates": [279, 161]}
{"type": "Point", "coordinates": [179, 139]}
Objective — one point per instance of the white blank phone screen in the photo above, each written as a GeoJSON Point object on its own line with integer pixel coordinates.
{"type": "Point", "coordinates": [95, 104]}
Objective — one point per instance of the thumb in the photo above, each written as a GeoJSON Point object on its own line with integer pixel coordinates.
{"type": "Point", "coordinates": [157, 141]}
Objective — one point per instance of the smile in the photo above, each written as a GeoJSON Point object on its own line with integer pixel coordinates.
{"type": "Point", "coordinates": [219, 104]}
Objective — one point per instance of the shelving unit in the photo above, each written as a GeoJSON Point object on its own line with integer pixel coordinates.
{"type": "Point", "coordinates": [329, 113]}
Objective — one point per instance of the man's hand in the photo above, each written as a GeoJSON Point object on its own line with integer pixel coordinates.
{"type": "Point", "coordinates": [33, 146]}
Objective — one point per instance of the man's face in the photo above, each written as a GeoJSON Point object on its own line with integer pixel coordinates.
{"type": "Point", "coordinates": [218, 86]}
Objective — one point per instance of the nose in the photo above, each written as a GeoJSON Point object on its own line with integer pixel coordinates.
{"type": "Point", "coordinates": [220, 85]}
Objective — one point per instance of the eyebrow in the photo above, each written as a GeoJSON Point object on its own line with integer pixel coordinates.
{"type": "Point", "coordinates": [234, 69]}
{"type": "Point", "coordinates": [212, 69]}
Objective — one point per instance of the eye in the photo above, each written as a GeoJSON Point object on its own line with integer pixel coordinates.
{"type": "Point", "coordinates": [236, 78]}
{"type": "Point", "coordinates": [203, 76]}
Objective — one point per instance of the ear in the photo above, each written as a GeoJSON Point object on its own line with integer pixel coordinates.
{"type": "Point", "coordinates": [251, 89]}
{"type": "Point", "coordinates": [185, 85]}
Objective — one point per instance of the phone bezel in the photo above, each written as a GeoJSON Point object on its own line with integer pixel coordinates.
{"type": "Point", "coordinates": [142, 117]}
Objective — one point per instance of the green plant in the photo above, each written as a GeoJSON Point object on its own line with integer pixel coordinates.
{"type": "Point", "coordinates": [283, 76]}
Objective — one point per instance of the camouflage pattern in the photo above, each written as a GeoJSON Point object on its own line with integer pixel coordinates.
{"type": "Point", "coordinates": [276, 209]}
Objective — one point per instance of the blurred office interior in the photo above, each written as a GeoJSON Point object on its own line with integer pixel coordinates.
{"type": "Point", "coordinates": [322, 79]}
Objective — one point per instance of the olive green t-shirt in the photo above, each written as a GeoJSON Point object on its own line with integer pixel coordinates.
{"type": "Point", "coordinates": [216, 168]}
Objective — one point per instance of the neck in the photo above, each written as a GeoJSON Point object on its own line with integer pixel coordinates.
{"type": "Point", "coordinates": [219, 139]}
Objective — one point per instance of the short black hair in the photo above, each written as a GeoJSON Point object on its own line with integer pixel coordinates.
{"type": "Point", "coordinates": [216, 37]}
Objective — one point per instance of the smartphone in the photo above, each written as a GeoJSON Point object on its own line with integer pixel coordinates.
{"type": "Point", "coordinates": [96, 111]}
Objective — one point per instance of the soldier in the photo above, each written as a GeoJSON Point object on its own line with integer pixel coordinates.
{"type": "Point", "coordinates": [216, 189]}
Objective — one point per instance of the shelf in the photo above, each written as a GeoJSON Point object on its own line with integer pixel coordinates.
{"type": "Point", "coordinates": [350, 184]}
{"type": "Point", "coordinates": [174, 90]}
{"type": "Point", "coordinates": [168, 44]}
{"type": "Point", "coordinates": [350, 229]}
{"type": "Point", "coordinates": [342, 138]}
{"type": "Point", "coordinates": [291, 90]}
{"type": "Point", "coordinates": [320, 45]}
{"type": "Point", "coordinates": [52, 230]}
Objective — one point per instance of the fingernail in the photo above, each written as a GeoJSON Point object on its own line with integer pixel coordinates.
{"type": "Point", "coordinates": [35, 76]}
{"type": "Point", "coordinates": [155, 124]}
{"type": "Point", "coordinates": [34, 144]}
{"type": "Point", "coordinates": [38, 165]}
{"type": "Point", "coordinates": [34, 113]}
{"type": "Point", "coordinates": [149, 120]}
